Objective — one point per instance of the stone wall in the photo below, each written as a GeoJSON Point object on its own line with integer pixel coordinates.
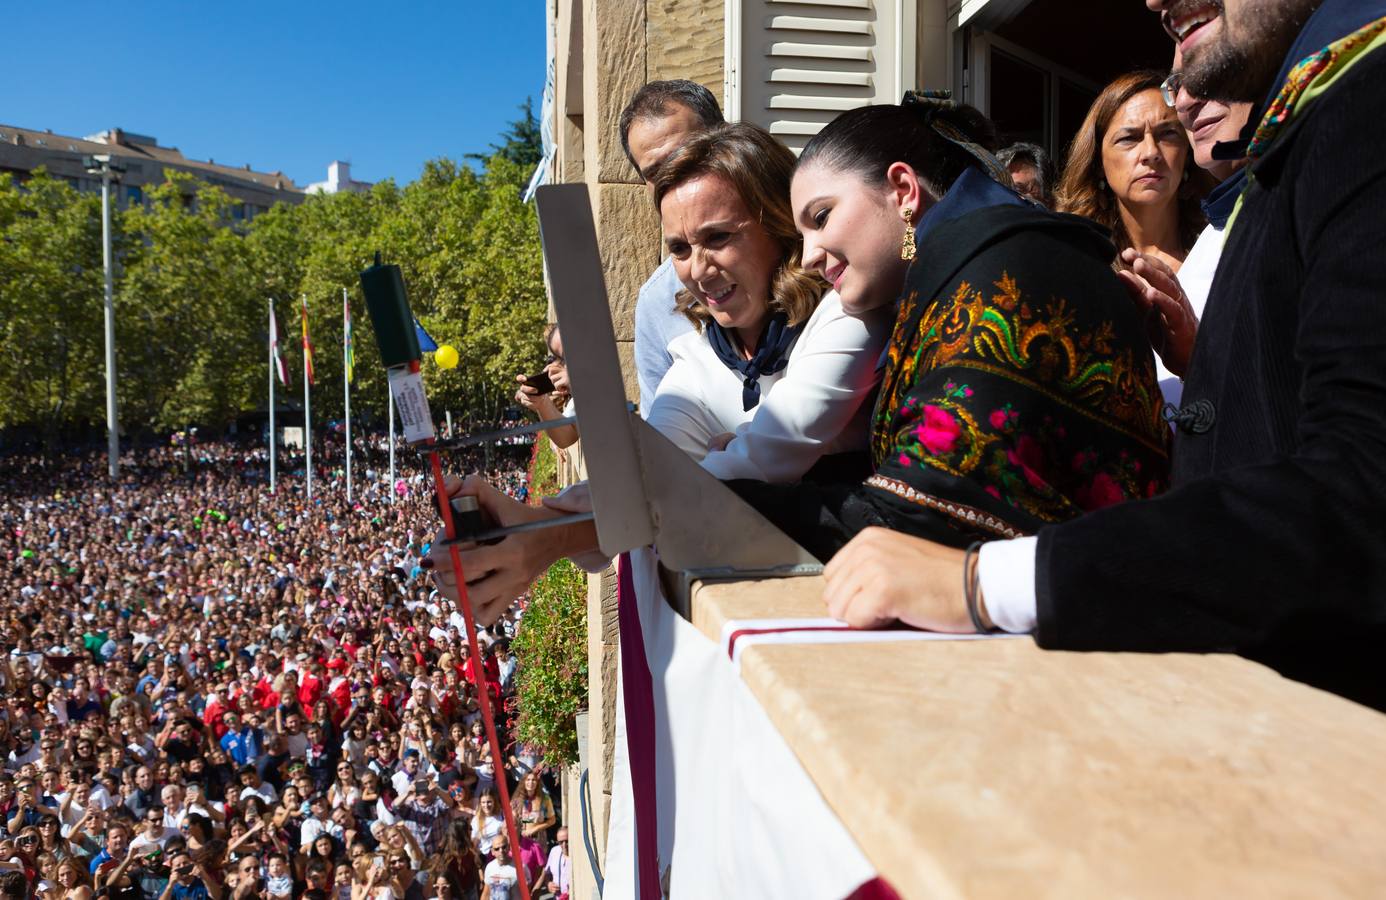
{"type": "Point", "coordinates": [688, 35]}
{"type": "Point", "coordinates": [606, 50]}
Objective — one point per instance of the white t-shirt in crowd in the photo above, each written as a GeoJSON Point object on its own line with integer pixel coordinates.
{"type": "Point", "coordinates": [501, 879]}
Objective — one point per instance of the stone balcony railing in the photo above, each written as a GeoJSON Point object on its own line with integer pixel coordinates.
{"type": "Point", "coordinates": [996, 769]}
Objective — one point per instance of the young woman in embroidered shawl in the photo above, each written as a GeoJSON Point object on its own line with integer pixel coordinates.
{"type": "Point", "coordinates": [777, 378]}
{"type": "Point", "coordinates": [1019, 388]}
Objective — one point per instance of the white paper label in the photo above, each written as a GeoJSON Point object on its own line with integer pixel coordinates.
{"type": "Point", "coordinates": [411, 404]}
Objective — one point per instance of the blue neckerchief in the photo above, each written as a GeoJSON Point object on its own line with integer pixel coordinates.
{"type": "Point", "coordinates": [771, 356]}
{"type": "Point", "coordinates": [1222, 199]}
{"type": "Point", "coordinates": [1332, 20]}
{"type": "Point", "coordinates": [971, 191]}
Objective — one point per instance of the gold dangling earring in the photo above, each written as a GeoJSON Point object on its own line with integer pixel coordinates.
{"type": "Point", "coordinates": [907, 246]}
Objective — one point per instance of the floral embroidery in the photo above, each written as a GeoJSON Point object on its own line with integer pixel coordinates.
{"type": "Point", "coordinates": [1046, 408]}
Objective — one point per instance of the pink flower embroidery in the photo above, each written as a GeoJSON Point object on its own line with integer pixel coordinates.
{"type": "Point", "coordinates": [1101, 491]}
{"type": "Point", "coordinates": [938, 432]}
{"type": "Point", "coordinates": [1028, 456]}
{"type": "Point", "coordinates": [904, 460]}
{"type": "Point", "coordinates": [998, 418]}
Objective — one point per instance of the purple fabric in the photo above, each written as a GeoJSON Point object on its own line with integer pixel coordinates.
{"type": "Point", "coordinates": [638, 695]}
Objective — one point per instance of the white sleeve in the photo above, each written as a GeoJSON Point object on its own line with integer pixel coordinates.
{"type": "Point", "coordinates": [831, 371]}
{"type": "Point", "coordinates": [1006, 573]}
{"type": "Point", "coordinates": [679, 411]}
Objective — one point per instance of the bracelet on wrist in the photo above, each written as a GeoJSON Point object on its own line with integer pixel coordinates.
{"type": "Point", "coordinates": [981, 622]}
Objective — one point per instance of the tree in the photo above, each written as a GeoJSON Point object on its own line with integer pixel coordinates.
{"type": "Point", "coordinates": [521, 143]}
{"type": "Point", "coordinates": [192, 282]}
{"type": "Point", "coordinates": [51, 319]}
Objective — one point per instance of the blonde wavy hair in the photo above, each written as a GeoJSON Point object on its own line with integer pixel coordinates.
{"type": "Point", "coordinates": [759, 168]}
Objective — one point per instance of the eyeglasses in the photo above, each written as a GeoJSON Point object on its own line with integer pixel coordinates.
{"type": "Point", "coordinates": [27, 839]}
{"type": "Point", "coordinates": [1169, 88]}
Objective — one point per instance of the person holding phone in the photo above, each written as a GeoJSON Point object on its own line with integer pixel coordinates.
{"type": "Point", "coordinates": [190, 881]}
{"type": "Point", "coordinates": [541, 393]}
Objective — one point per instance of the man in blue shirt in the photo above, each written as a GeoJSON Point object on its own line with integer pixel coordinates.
{"type": "Point", "coordinates": [117, 842]}
{"type": "Point", "coordinates": [242, 743]}
{"type": "Point", "coordinates": [657, 121]}
{"type": "Point", "coordinates": [189, 881]}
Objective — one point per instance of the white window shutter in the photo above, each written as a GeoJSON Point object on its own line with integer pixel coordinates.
{"type": "Point", "coordinates": [791, 67]}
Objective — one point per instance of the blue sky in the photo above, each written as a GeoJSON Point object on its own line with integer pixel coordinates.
{"type": "Point", "coordinates": [288, 86]}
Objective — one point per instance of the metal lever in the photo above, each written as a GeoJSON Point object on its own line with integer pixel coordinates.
{"type": "Point", "coordinates": [494, 533]}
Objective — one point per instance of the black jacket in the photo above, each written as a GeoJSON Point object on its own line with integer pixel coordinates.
{"type": "Point", "coordinates": [1273, 541]}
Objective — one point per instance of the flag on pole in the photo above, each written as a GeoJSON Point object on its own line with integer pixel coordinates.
{"type": "Point", "coordinates": [279, 365]}
{"type": "Point", "coordinates": [350, 351]}
{"type": "Point", "coordinates": [307, 347]}
{"type": "Point", "coordinates": [426, 343]}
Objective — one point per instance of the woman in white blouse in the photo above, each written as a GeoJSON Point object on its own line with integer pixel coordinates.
{"type": "Point", "coordinates": [776, 375]}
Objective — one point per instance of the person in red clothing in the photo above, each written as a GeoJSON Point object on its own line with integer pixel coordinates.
{"type": "Point", "coordinates": [211, 715]}
{"type": "Point", "coordinates": [311, 684]}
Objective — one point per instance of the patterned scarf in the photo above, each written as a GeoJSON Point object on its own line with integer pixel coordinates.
{"type": "Point", "coordinates": [770, 357]}
{"type": "Point", "coordinates": [1308, 76]}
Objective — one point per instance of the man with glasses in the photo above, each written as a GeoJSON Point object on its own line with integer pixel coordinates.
{"type": "Point", "coordinates": [28, 809]}
{"type": "Point", "coordinates": [557, 877]}
{"type": "Point", "coordinates": [500, 875]}
{"type": "Point", "coordinates": [154, 833]}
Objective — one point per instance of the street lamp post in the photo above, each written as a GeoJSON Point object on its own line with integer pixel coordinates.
{"type": "Point", "coordinates": [109, 170]}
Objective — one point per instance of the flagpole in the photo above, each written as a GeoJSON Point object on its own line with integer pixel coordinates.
{"type": "Point", "coordinates": [272, 374]}
{"type": "Point", "coordinates": [307, 406]}
{"type": "Point", "coordinates": [346, 382]}
{"type": "Point", "coordinates": [391, 395]}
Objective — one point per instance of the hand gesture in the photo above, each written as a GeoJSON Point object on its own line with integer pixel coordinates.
{"type": "Point", "coordinates": [498, 573]}
{"type": "Point", "coordinates": [1170, 321]}
{"type": "Point", "coordinates": [530, 398]}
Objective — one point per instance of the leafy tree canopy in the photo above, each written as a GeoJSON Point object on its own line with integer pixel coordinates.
{"type": "Point", "coordinates": [193, 282]}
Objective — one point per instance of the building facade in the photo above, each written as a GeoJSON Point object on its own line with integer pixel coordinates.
{"type": "Point", "coordinates": [338, 180]}
{"type": "Point", "coordinates": [22, 150]}
{"type": "Point", "coordinates": [1033, 66]}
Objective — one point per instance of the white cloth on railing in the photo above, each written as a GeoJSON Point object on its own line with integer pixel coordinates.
{"type": "Point", "coordinates": [738, 815]}
{"type": "Point", "coordinates": [740, 634]}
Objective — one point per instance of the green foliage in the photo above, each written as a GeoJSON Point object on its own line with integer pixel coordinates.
{"type": "Point", "coordinates": [552, 650]}
{"type": "Point", "coordinates": [192, 282]}
{"type": "Point", "coordinates": [543, 471]}
{"type": "Point", "coordinates": [51, 320]}
{"type": "Point", "coordinates": [521, 143]}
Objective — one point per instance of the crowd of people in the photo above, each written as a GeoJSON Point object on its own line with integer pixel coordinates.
{"type": "Point", "coordinates": [213, 691]}
{"type": "Point", "coordinates": [892, 347]}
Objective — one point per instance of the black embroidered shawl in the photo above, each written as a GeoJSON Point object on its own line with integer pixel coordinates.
{"type": "Point", "coordinates": [1019, 391]}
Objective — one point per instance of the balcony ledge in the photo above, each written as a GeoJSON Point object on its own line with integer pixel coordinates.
{"type": "Point", "coordinates": [996, 769]}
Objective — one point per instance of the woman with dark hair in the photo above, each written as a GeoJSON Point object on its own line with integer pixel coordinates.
{"type": "Point", "coordinates": [1019, 389]}
{"type": "Point", "coordinates": [457, 863]}
{"type": "Point", "coordinates": [1130, 169]}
